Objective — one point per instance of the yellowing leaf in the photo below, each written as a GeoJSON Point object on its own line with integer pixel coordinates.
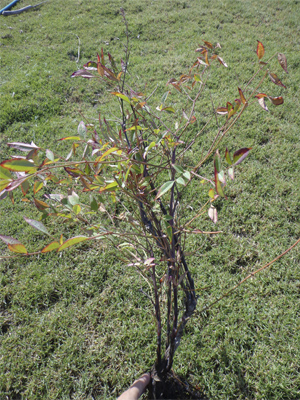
{"type": "Point", "coordinates": [72, 241]}
{"type": "Point", "coordinates": [37, 186]}
{"type": "Point", "coordinates": [242, 97]}
{"type": "Point", "coordinates": [18, 248]}
{"type": "Point", "coordinates": [260, 51]}
{"type": "Point", "coordinates": [121, 96]}
{"type": "Point", "coordinates": [50, 247]}
{"type": "Point", "coordinates": [40, 205]}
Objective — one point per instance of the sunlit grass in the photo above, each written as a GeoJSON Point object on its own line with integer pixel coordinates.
{"type": "Point", "coordinates": [76, 325]}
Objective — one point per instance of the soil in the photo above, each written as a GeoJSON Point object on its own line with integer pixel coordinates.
{"type": "Point", "coordinates": [175, 388]}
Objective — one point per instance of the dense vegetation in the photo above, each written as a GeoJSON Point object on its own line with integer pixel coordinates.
{"type": "Point", "coordinates": [76, 325]}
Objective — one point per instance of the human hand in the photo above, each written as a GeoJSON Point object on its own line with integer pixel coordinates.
{"type": "Point", "coordinates": [136, 389]}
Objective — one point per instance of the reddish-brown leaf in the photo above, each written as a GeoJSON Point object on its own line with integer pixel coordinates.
{"type": "Point", "coordinates": [260, 51]}
{"type": "Point", "coordinates": [274, 78]}
{"type": "Point", "coordinates": [208, 44]}
{"type": "Point", "coordinates": [282, 61]}
{"type": "Point", "coordinates": [40, 205]}
{"type": "Point", "coordinates": [276, 100]}
{"type": "Point", "coordinates": [243, 99]}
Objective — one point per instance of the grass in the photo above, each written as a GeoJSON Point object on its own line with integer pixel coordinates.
{"type": "Point", "coordinates": [75, 325]}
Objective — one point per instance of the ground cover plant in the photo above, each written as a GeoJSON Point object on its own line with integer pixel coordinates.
{"type": "Point", "coordinates": [242, 342]}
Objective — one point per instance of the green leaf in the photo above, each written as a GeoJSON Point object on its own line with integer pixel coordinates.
{"type": "Point", "coordinates": [72, 241]}
{"type": "Point", "coordinates": [227, 157]}
{"type": "Point", "coordinates": [187, 175]}
{"type": "Point", "coordinates": [211, 193]}
{"type": "Point", "coordinates": [76, 209]}
{"type": "Point", "coordinates": [168, 109]}
{"type": "Point", "coordinates": [50, 155]}
{"type": "Point", "coordinates": [180, 180]}
{"type": "Point", "coordinates": [37, 225]}
{"type": "Point", "coordinates": [164, 189]}
{"type": "Point", "coordinates": [93, 203]}
{"type": "Point", "coordinates": [18, 165]}
{"type": "Point", "coordinates": [178, 169]}
{"type": "Point", "coordinates": [217, 161]}
{"type": "Point", "coordinates": [50, 247]}
{"type": "Point", "coordinates": [122, 96]}
{"type": "Point", "coordinates": [4, 173]}
{"type": "Point", "coordinates": [73, 199]}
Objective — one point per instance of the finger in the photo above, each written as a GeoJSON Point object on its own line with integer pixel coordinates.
{"type": "Point", "coordinates": [136, 389]}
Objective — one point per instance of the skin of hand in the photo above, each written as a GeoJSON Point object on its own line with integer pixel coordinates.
{"type": "Point", "coordinates": [136, 389]}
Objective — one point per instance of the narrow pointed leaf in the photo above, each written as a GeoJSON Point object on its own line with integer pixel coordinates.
{"type": "Point", "coordinates": [121, 96]}
{"type": "Point", "coordinates": [19, 165]}
{"type": "Point", "coordinates": [227, 157]}
{"type": "Point", "coordinates": [260, 51]}
{"type": "Point", "coordinates": [50, 247]}
{"type": "Point", "coordinates": [84, 73]}
{"type": "Point", "coordinates": [222, 110]}
{"type": "Point", "coordinates": [243, 99]}
{"type": "Point", "coordinates": [221, 61]}
{"type": "Point", "coordinates": [274, 78]}
{"type": "Point", "coordinates": [9, 240]}
{"type": "Point", "coordinates": [164, 189]}
{"type": "Point", "coordinates": [40, 205]}
{"type": "Point", "coordinates": [37, 186]}
{"type": "Point", "coordinates": [18, 248]}
{"type": "Point", "coordinates": [23, 146]}
{"type": "Point", "coordinates": [72, 242]}
{"type": "Point", "coordinates": [70, 138]}
{"type": "Point", "coordinates": [217, 161]}
{"type": "Point", "coordinates": [37, 225]}
{"type": "Point", "coordinates": [282, 61]}
{"type": "Point", "coordinates": [25, 187]}
{"type": "Point", "coordinates": [240, 155]}
{"type": "Point", "coordinates": [208, 44]}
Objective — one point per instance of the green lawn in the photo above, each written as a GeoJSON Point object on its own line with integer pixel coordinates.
{"type": "Point", "coordinates": [74, 325]}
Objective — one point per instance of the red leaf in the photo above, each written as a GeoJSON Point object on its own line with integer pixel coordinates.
{"type": "Point", "coordinates": [260, 51]}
